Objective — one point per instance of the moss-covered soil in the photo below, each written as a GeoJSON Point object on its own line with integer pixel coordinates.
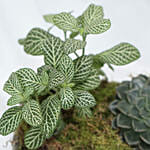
{"type": "Point", "coordinates": [94, 133]}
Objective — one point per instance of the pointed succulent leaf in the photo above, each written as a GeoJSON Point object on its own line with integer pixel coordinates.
{"type": "Point", "coordinates": [121, 54]}
{"type": "Point", "coordinates": [66, 67]}
{"type": "Point", "coordinates": [13, 85]}
{"type": "Point", "coordinates": [34, 138]}
{"type": "Point", "coordinates": [113, 107]}
{"type": "Point", "coordinates": [82, 68]}
{"type": "Point", "coordinates": [29, 78]}
{"type": "Point", "coordinates": [84, 99]}
{"type": "Point", "coordinates": [56, 78]}
{"type": "Point", "coordinates": [124, 121]}
{"type": "Point", "coordinates": [98, 26]}
{"type": "Point", "coordinates": [49, 18]}
{"type": "Point", "coordinates": [35, 38]}
{"type": "Point", "coordinates": [91, 82]}
{"type": "Point", "coordinates": [131, 137]}
{"type": "Point", "coordinates": [53, 49]}
{"type": "Point", "coordinates": [84, 112]}
{"type": "Point", "coordinates": [66, 22]}
{"type": "Point", "coordinates": [15, 99]}
{"type": "Point", "coordinates": [50, 112]}
{"type": "Point", "coordinates": [71, 45]}
{"type": "Point", "coordinates": [145, 136]}
{"type": "Point", "coordinates": [66, 98]}
{"type": "Point", "coordinates": [10, 120]}
{"type": "Point", "coordinates": [32, 113]}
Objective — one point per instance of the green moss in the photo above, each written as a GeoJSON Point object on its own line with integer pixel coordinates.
{"type": "Point", "coordinates": [93, 133]}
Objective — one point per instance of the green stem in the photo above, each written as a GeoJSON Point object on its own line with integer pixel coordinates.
{"type": "Point", "coordinates": [84, 39]}
{"type": "Point", "coordinates": [76, 54]}
{"type": "Point", "coordinates": [65, 35]}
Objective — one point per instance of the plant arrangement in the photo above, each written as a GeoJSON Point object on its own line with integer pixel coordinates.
{"type": "Point", "coordinates": [62, 83]}
{"type": "Point", "coordinates": [132, 111]}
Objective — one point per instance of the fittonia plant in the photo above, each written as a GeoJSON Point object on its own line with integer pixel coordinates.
{"type": "Point", "coordinates": [62, 83]}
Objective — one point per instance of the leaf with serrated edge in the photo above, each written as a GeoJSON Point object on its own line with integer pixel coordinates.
{"type": "Point", "coordinates": [82, 67]}
{"type": "Point", "coordinates": [13, 86]}
{"type": "Point", "coordinates": [29, 78]}
{"type": "Point", "coordinates": [35, 38]}
{"type": "Point", "coordinates": [71, 45]}
{"type": "Point", "coordinates": [50, 112]}
{"type": "Point", "coordinates": [66, 22]}
{"type": "Point", "coordinates": [121, 54]}
{"type": "Point", "coordinates": [66, 67]}
{"type": "Point", "coordinates": [34, 138]}
{"type": "Point", "coordinates": [91, 82]}
{"type": "Point", "coordinates": [53, 49]}
{"type": "Point", "coordinates": [32, 113]}
{"type": "Point", "coordinates": [66, 98]}
{"type": "Point", "coordinates": [10, 120]}
{"type": "Point", "coordinates": [84, 99]}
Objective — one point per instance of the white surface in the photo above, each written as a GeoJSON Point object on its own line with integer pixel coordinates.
{"type": "Point", "coordinates": [130, 23]}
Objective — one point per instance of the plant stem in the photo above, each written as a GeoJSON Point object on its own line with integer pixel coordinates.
{"type": "Point", "coordinates": [84, 39]}
{"type": "Point", "coordinates": [65, 35]}
{"type": "Point", "coordinates": [76, 54]}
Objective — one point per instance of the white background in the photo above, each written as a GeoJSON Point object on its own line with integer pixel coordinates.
{"type": "Point", "coordinates": [130, 23]}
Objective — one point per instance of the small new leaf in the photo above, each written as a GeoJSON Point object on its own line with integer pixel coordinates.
{"type": "Point", "coordinates": [50, 112]}
{"type": "Point", "coordinates": [71, 45]}
{"type": "Point", "coordinates": [66, 98]}
{"type": "Point", "coordinates": [66, 22]}
{"type": "Point", "coordinates": [121, 54]}
{"type": "Point", "coordinates": [84, 112]}
{"type": "Point", "coordinates": [82, 68]}
{"type": "Point", "coordinates": [15, 99]}
{"type": "Point", "coordinates": [13, 86]}
{"type": "Point", "coordinates": [49, 18]}
{"type": "Point", "coordinates": [84, 99]}
{"type": "Point", "coordinates": [34, 138]}
{"type": "Point", "coordinates": [10, 120]}
{"type": "Point", "coordinates": [32, 113]}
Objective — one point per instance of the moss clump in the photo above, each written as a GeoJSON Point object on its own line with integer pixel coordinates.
{"type": "Point", "coordinates": [94, 133]}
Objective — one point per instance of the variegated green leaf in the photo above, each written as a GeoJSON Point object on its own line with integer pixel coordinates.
{"type": "Point", "coordinates": [34, 138]}
{"type": "Point", "coordinates": [66, 98]}
{"type": "Point", "coordinates": [56, 78]}
{"type": "Point", "coordinates": [32, 113]}
{"type": "Point", "coordinates": [121, 54]}
{"type": "Point", "coordinates": [91, 82]}
{"type": "Point", "coordinates": [15, 99]}
{"type": "Point", "coordinates": [71, 45]}
{"type": "Point", "coordinates": [35, 38]}
{"type": "Point", "coordinates": [28, 92]}
{"type": "Point", "coordinates": [66, 67]}
{"type": "Point", "coordinates": [45, 68]}
{"type": "Point", "coordinates": [13, 86]}
{"type": "Point", "coordinates": [66, 22]}
{"type": "Point", "coordinates": [22, 41]}
{"type": "Point", "coordinates": [84, 112]}
{"type": "Point", "coordinates": [50, 112]}
{"type": "Point", "coordinates": [98, 26]}
{"type": "Point", "coordinates": [45, 78]}
{"type": "Point", "coordinates": [10, 120]}
{"type": "Point", "coordinates": [84, 99]}
{"type": "Point", "coordinates": [82, 68]}
{"type": "Point", "coordinates": [49, 18]}
{"type": "Point", "coordinates": [29, 78]}
{"type": "Point", "coordinates": [53, 49]}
